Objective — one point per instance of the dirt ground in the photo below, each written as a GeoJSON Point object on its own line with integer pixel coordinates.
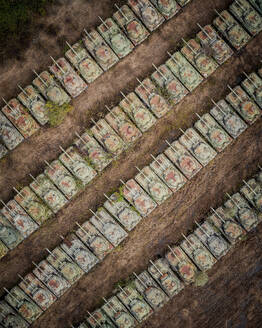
{"type": "Point", "coordinates": [232, 297]}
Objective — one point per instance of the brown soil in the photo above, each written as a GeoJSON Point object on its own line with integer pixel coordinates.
{"type": "Point", "coordinates": [232, 293]}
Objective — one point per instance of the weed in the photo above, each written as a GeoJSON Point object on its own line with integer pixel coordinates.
{"type": "Point", "coordinates": [19, 186]}
{"type": "Point", "coordinates": [244, 238]}
{"type": "Point", "coordinates": [79, 184]}
{"type": "Point", "coordinates": [118, 248]}
{"type": "Point", "coordinates": [57, 114]}
{"type": "Point", "coordinates": [89, 161]}
{"type": "Point", "coordinates": [201, 279]}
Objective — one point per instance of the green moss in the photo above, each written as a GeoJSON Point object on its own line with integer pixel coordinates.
{"type": "Point", "coordinates": [99, 209]}
{"type": "Point", "coordinates": [162, 92]}
{"type": "Point", "coordinates": [3, 160]}
{"type": "Point", "coordinates": [216, 229]}
{"type": "Point", "coordinates": [118, 248]}
{"type": "Point", "coordinates": [121, 191]}
{"type": "Point", "coordinates": [120, 197]}
{"type": "Point", "coordinates": [244, 238]}
{"type": "Point", "coordinates": [128, 282]}
{"type": "Point", "coordinates": [80, 46]}
{"type": "Point", "coordinates": [89, 161]}
{"type": "Point", "coordinates": [79, 184]}
{"type": "Point", "coordinates": [19, 186]}
{"type": "Point", "coordinates": [201, 279]}
{"type": "Point", "coordinates": [57, 114]}
{"type": "Point", "coordinates": [89, 132]}
{"type": "Point", "coordinates": [66, 48]}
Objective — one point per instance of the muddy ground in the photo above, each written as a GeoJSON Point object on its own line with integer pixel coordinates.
{"type": "Point", "coordinates": [231, 297]}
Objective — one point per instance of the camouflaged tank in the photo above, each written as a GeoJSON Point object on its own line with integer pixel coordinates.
{"type": "Point", "coordinates": [122, 211]}
{"type": "Point", "coordinates": [94, 240]}
{"type": "Point", "coordinates": [168, 173]}
{"type": "Point", "coordinates": [197, 146]}
{"type": "Point", "coordinates": [110, 140]}
{"type": "Point", "coordinates": [213, 132]}
{"type": "Point", "coordinates": [231, 30]}
{"type": "Point", "coordinates": [247, 15]}
{"type": "Point", "coordinates": [83, 62]}
{"type": "Point", "coordinates": [89, 147]}
{"type": "Point", "coordinates": [117, 40]}
{"type": "Point", "coordinates": [153, 185]}
{"type": "Point", "coordinates": [99, 49]}
{"type": "Point", "coordinates": [9, 134]}
{"type": "Point", "coordinates": [50, 89]}
{"type": "Point", "coordinates": [35, 103]}
{"type": "Point", "coordinates": [20, 118]}
{"type": "Point", "coordinates": [132, 26]}
{"type": "Point", "coordinates": [68, 77]}
{"type": "Point", "coordinates": [142, 202]}
{"type": "Point", "coordinates": [105, 223]}
{"type": "Point", "coordinates": [122, 125]}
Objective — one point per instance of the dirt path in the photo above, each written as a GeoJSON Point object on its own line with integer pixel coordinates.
{"type": "Point", "coordinates": [29, 156]}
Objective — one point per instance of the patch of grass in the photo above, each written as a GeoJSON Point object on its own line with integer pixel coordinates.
{"type": "Point", "coordinates": [128, 282]}
{"type": "Point", "coordinates": [3, 160]}
{"type": "Point", "coordinates": [57, 114]}
{"type": "Point", "coordinates": [121, 190]}
{"type": "Point", "coordinates": [244, 238]}
{"type": "Point", "coordinates": [79, 184]}
{"type": "Point", "coordinates": [89, 132]}
{"type": "Point", "coordinates": [19, 186]}
{"type": "Point", "coordinates": [201, 279]}
{"type": "Point", "coordinates": [120, 198]}
{"type": "Point", "coordinates": [118, 248]}
{"type": "Point", "coordinates": [89, 162]}
{"type": "Point", "coordinates": [162, 92]}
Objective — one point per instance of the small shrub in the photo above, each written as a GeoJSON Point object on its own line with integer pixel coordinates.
{"type": "Point", "coordinates": [89, 161]}
{"type": "Point", "coordinates": [57, 114]}
{"type": "Point", "coordinates": [118, 248]}
{"type": "Point", "coordinates": [201, 279]}
{"type": "Point", "coordinates": [120, 198]}
{"type": "Point", "coordinates": [244, 238]}
{"type": "Point", "coordinates": [128, 282]}
{"type": "Point", "coordinates": [79, 184]}
{"type": "Point", "coordinates": [19, 186]}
